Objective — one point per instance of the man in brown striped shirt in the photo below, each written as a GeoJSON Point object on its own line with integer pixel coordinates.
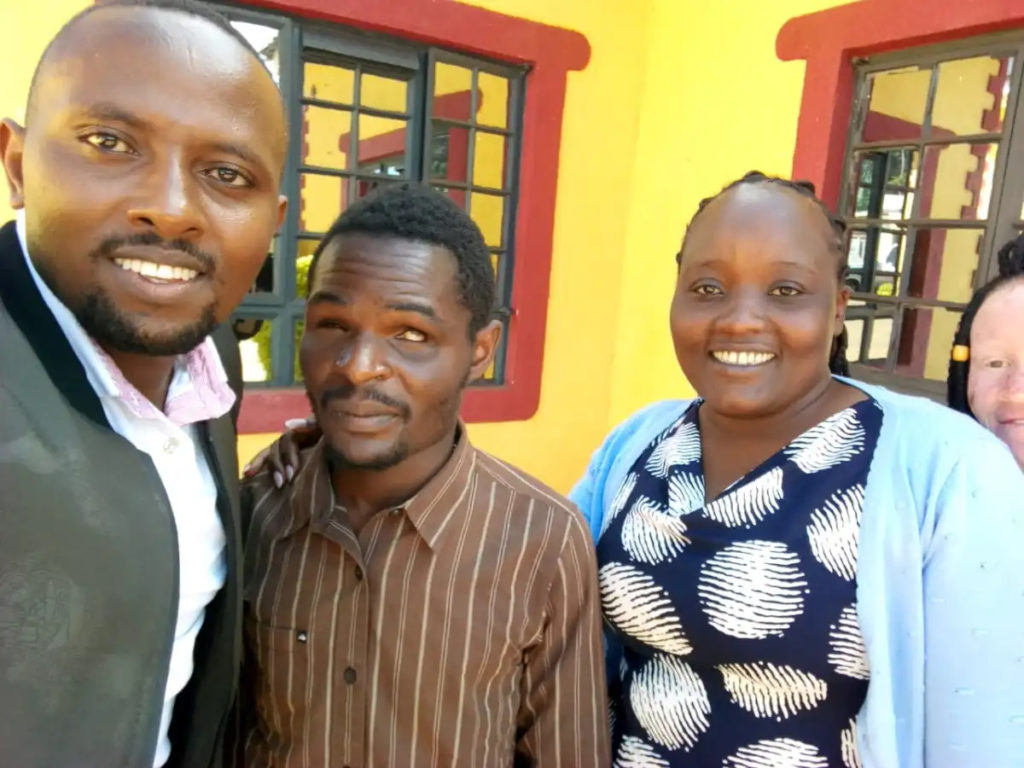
{"type": "Point", "coordinates": [411, 601]}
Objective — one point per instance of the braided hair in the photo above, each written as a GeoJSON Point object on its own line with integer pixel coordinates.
{"type": "Point", "coordinates": [1011, 267]}
{"type": "Point", "coordinates": [837, 362]}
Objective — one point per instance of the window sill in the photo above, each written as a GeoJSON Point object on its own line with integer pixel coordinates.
{"type": "Point", "coordinates": [933, 390]}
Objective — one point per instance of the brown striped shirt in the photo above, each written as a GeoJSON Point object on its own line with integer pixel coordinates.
{"type": "Point", "coordinates": [461, 629]}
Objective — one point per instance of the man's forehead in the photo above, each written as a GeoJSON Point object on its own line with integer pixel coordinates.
{"type": "Point", "coordinates": [113, 36]}
{"type": "Point", "coordinates": [161, 62]}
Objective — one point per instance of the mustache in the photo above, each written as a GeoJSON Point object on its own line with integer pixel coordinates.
{"type": "Point", "coordinates": [111, 244]}
{"type": "Point", "coordinates": [350, 392]}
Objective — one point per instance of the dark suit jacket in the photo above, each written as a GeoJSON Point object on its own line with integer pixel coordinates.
{"type": "Point", "coordinates": [89, 564]}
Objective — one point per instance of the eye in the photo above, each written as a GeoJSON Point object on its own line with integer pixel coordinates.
{"type": "Point", "coordinates": [411, 334]}
{"type": "Point", "coordinates": [108, 142]}
{"type": "Point", "coordinates": [228, 176]}
{"type": "Point", "coordinates": [786, 291]}
{"type": "Point", "coordinates": [330, 324]}
{"type": "Point", "coordinates": [707, 289]}
{"type": "Point", "coordinates": [996, 363]}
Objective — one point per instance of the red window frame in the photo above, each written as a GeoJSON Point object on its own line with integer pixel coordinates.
{"type": "Point", "coordinates": [829, 41]}
{"type": "Point", "coordinates": [551, 52]}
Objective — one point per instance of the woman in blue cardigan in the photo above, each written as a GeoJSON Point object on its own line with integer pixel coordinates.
{"type": "Point", "coordinates": [796, 569]}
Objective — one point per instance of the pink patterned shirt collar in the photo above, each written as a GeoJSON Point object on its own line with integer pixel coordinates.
{"type": "Point", "coordinates": [199, 389]}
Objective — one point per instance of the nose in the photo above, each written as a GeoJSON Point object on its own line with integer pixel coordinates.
{"type": "Point", "coordinates": [363, 360]}
{"type": "Point", "coordinates": [166, 202]}
{"type": "Point", "coordinates": [1013, 382]}
{"type": "Point", "coordinates": [742, 313]}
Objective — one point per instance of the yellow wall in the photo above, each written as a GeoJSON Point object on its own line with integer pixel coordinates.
{"type": "Point", "coordinates": [717, 103]}
{"type": "Point", "coordinates": [25, 29]}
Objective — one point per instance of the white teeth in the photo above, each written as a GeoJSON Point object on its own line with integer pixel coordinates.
{"type": "Point", "coordinates": [730, 357]}
{"type": "Point", "coordinates": [165, 272]}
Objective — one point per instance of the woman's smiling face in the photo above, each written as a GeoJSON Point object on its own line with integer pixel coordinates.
{"type": "Point", "coordinates": [758, 300]}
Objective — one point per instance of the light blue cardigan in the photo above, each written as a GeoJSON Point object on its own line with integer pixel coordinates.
{"type": "Point", "coordinates": [940, 582]}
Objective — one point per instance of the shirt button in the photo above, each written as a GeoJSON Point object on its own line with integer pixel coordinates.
{"type": "Point", "coordinates": [396, 512]}
{"type": "Point", "coordinates": [301, 636]}
{"type": "Point", "coordinates": [171, 445]}
{"type": "Point", "coordinates": [350, 675]}
{"type": "Point", "coordinates": [359, 573]}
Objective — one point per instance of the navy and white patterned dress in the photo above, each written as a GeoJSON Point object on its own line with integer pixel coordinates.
{"type": "Point", "coordinates": [738, 618]}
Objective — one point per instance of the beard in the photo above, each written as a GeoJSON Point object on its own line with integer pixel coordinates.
{"type": "Point", "coordinates": [116, 330]}
{"type": "Point", "coordinates": [446, 416]}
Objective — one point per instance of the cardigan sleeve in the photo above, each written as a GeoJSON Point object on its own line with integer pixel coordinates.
{"type": "Point", "coordinates": [974, 614]}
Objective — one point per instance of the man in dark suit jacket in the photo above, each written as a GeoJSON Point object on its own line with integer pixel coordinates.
{"type": "Point", "coordinates": [146, 183]}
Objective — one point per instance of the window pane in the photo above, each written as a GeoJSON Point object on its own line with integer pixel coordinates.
{"type": "Point", "coordinates": [875, 257]}
{"type": "Point", "coordinates": [854, 337]}
{"type": "Point", "coordinates": [957, 181]}
{"type": "Point", "coordinates": [925, 340]}
{"type": "Point", "coordinates": [881, 336]}
{"type": "Point", "coordinates": [382, 146]}
{"type": "Point", "coordinates": [303, 258]}
{"type": "Point", "coordinates": [460, 196]}
{"type": "Point", "coordinates": [363, 187]}
{"type": "Point", "coordinates": [325, 137]}
{"type": "Point", "coordinates": [327, 82]}
{"type": "Point", "coordinates": [452, 92]}
{"type": "Point", "coordinates": [855, 250]}
{"type": "Point", "coordinates": [449, 152]}
{"type": "Point", "coordinates": [255, 349]}
{"type": "Point", "coordinates": [888, 262]}
{"type": "Point", "coordinates": [381, 92]}
{"type": "Point", "coordinates": [884, 182]}
{"type": "Point", "coordinates": [943, 264]}
{"type": "Point", "coordinates": [971, 96]}
{"type": "Point", "coordinates": [264, 282]}
{"type": "Point", "coordinates": [489, 160]}
{"type": "Point", "coordinates": [297, 377]}
{"type": "Point", "coordinates": [896, 104]}
{"type": "Point", "coordinates": [323, 198]}
{"type": "Point", "coordinates": [488, 213]}
{"type": "Point", "coordinates": [267, 42]}
{"type": "Point", "coordinates": [492, 95]}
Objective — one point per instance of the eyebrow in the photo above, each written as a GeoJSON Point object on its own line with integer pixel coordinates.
{"type": "Point", "coordinates": [106, 110]}
{"type": "Point", "coordinates": [414, 306]}
{"type": "Point", "coordinates": [238, 150]}
{"type": "Point", "coordinates": [325, 297]}
{"type": "Point", "coordinates": [784, 263]}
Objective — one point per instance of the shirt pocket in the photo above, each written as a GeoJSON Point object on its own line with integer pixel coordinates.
{"type": "Point", "coordinates": [278, 677]}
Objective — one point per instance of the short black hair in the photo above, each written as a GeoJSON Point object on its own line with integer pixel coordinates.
{"type": "Point", "coordinates": [1011, 267]}
{"type": "Point", "coordinates": [837, 362]}
{"type": "Point", "coordinates": [187, 7]}
{"type": "Point", "coordinates": [416, 212]}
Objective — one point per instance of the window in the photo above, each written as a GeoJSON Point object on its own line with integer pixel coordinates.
{"type": "Point", "coordinates": [930, 193]}
{"type": "Point", "coordinates": [363, 111]}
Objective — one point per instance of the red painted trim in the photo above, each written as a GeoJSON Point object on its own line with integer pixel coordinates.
{"type": "Point", "coordinates": [828, 41]}
{"type": "Point", "coordinates": [552, 52]}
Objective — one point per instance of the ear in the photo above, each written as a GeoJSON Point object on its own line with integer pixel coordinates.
{"type": "Point", "coordinates": [842, 300]}
{"type": "Point", "coordinates": [485, 343]}
{"type": "Point", "coordinates": [12, 150]}
{"type": "Point", "coordinates": [282, 209]}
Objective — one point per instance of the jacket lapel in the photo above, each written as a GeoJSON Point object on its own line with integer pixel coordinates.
{"type": "Point", "coordinates": [26, 307]}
